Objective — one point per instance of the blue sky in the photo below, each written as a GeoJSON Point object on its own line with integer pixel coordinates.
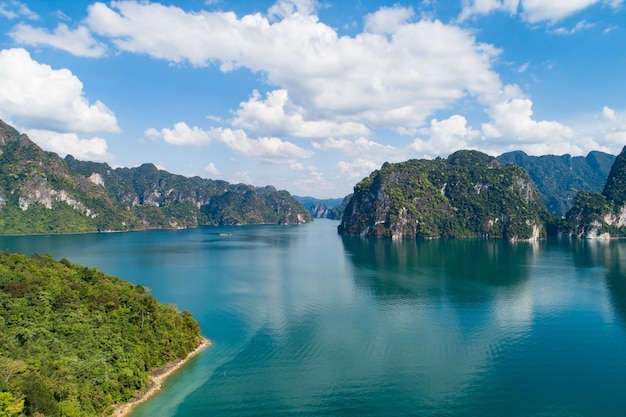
{"type": "Point", "coordinates": [311, 96]}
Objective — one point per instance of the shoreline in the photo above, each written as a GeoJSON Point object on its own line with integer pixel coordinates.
{"type": "Point", "coordinates": [157, 376]}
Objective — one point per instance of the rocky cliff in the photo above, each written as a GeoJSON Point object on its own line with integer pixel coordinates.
{"type": "Point", "coordinates": [469, 194]}
{"type": "Point", "coordinates": [601, 215]}
{"type": "Point", "coordinates": [43, 193]}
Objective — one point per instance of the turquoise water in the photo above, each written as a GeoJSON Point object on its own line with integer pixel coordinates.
{"type": "Point", "coordinates": [307, 323]}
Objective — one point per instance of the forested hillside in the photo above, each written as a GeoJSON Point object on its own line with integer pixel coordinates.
{"type": "Point", "coordinates": [559, 178]}
{"type": "Point", "coordinates": [74, 341]}
{"type": "Point", "coordinates": [43, 193]}
{"type": "Point", "coordinates": [469, 194]}
{"type": "Point", "coordinates": [601, 215]}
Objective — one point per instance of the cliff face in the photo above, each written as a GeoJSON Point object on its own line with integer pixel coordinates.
{"type": "Point", "coordinates": [469, 194]}
{"type": "Point", "coordinates": [601, 215]}
{"type": "Point", "coordinates": [42, 193]}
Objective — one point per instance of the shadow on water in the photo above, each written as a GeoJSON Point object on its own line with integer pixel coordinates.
{"type": "Point", "coordinates": [611, 256]}
{"type": "Point", "coordinates": [462, 269]}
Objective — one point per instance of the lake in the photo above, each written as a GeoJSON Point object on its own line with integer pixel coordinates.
{"type": "Point", "coordinates": [307, 323]}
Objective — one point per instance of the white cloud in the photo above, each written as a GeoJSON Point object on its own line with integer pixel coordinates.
{"type": "Point", "coordinates": [578, 27]}
{"type": "Point", "coordinates": [608, 113]}
{"type": "Point", "coordinates": [481, 7]}
{"type": "Point", "coordinates": [357, 169]}
{"type": "Point", "coordinates": [387, 20]}
{"type": "Point", "coordinates": [512, 121]}
{"type": "Point", "coordinates": [38, 97]}
{"type": "Point", "coordinates": [532, 11]}
{"type": "Point", "coordinates": [360, 147]}
{"type": "Point", "coordinates": [93, 149]}
{"type": "Point", "coordinates": [269, 149]}
{"type": "Point", "coordinates": [182, 134]}
{"type": "Point", "coordinates": [14, 9]}
{"type": "Point", "coordinates": [446, 135]}
{"type": "Point", "coordinates": [284, 8]}
{"type": "Point", "coordinates": [77, 42]}
{"type": "Point", "coordinates": [211, 169]}
{"type": "Point", "coordinates": [277, 115]}
{"type": "Point", "coordinates": [370, 80]}
{"type": "Point", "coordinates": [538, 10]}
{"type": "Point", "coordinates": [608, 128]}
{"type": "Point", "coordinates": [242, 177]}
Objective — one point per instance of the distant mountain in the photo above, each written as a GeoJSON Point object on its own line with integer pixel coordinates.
{"type": "Point", "coordinates": [559, 178]}
{"type": "Point", "coordinates": [601, 215]}
{"type": "Point", "coordinates": [43, 193]}
{"type": "Point", "coordinates": [330, 208]}
{"type": "Point", "coordinates": [469, 194]}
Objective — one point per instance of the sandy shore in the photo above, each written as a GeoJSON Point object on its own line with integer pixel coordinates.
{"type": "Point", "coordinates": [156, 379]}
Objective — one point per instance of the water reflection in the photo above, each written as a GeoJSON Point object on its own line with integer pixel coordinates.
{"type": "Point", "coordinates": [611, 256]}
{"type": "Point", "coordinates": [462, 269]}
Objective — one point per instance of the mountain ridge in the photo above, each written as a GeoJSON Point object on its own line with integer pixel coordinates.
{"type": "Point", "coordinates": [42, 193]}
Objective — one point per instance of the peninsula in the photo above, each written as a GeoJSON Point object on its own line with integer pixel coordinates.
{"type": "Point", "coordinates": [77, 342]}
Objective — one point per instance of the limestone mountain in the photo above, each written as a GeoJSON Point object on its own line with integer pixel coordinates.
{"type": "Point", "coordinates": [559, 178]}
{"type": "Point", "coordinates": [43, 193]}
{"type": "Point", "coordinates": [601, 215]}
{"type": "Point", "coordinates": [329, 208]}
{"type": "Point", "coordinates": [469, 194]}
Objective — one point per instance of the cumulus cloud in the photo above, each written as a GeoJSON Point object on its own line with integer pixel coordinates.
{"type": "Point", "coordinates": [387, 19]}
{"type": "Point", "coordinates": [532, 11]}
{"type": "Point", "coordinates": [269, 149]}
{"type": "Point", "coordinates": [444, 135]}
{"type": "Point", "coordinates": [182, 134]}
{"type": "Point", "coordinates": [211, 169]}
{"type": "Point", "coordinates": [92, 149]}
{"type": "Point", "coordinates": [38, 97]}
{"type": "Point", "coordinates": [277, 115]}
{"type": "Point", "coordinates": [372, 79]}
{"type": "Point", "coordinates": [77, 42]}
{"type": "Point", "coordinates": [357, 169]}
{"type": "Point", "coordinates": [512, 121]}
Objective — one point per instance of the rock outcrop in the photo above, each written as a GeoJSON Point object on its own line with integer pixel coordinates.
{"type": "Point", "coordinates": [601, 216]}
{"type": "Point", "coordinates": [43, 193]}
{"type": "Point", "coordinates": [469, 194]}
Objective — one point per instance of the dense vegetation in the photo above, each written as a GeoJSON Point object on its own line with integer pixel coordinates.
{"type": "Point", "coordinates": [74, 341]}
{"type": "Point", "coordinates": [42, 193]}
{"type": "Point", "coordinates": [595, 214]}
{"type": "Point", "coordinates": [559, 178]}
{"type": "Point", "coordinates": [469, 194]}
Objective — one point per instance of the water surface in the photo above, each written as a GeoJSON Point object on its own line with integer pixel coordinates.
{"type": "Point", "coordinates": [305, 322]}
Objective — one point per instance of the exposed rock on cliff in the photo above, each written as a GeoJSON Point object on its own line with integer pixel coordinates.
{"type": "Point", "coordinates": [601, 215]}
{"type": "Point", "coordinates": [469, 194]}
{"type": "Point", "coordinates": [42, 193]}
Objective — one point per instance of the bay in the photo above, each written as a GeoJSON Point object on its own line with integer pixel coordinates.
{"type": "Point", "coordinates": [305, 322]}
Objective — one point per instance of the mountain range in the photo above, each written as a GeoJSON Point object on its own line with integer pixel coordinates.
{"type": "Point", "coordinates": [41, 192]}
{"type": "Point", "coordinates": [471, 194]}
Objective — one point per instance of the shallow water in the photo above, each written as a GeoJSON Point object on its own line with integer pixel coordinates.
{"type": "Point", "coordinates": [305, 322]}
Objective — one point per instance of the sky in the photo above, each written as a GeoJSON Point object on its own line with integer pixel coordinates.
{"type": "Point", "coordinates": [311, 96]}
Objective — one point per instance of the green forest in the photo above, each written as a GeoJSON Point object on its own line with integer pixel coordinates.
{"type": "Point", "coordinates": [75, 341]}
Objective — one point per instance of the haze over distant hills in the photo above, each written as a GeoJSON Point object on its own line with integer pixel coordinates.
{"type": "Point", "coordinates": [559, 178]}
